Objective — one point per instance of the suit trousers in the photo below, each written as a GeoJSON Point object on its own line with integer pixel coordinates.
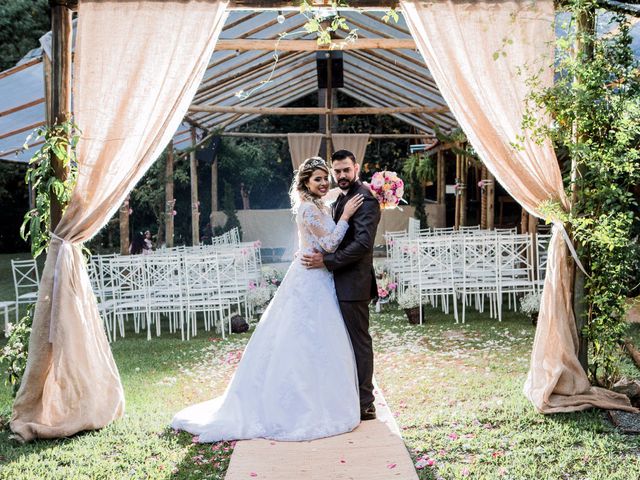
{"type": "Point", "coordinates": [356, 319]}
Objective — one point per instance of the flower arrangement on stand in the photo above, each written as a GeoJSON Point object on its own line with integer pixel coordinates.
{"type": "Point", "coordinates": [530, 304]}
{"type": "Point", "coordinates": [259, 295]}
{"type": "Point", "coordinates": [409, 301]}
{"type": "Point", "coordinates": [388, 189]}
{"type": "Point", "coordinates": [386, 288]}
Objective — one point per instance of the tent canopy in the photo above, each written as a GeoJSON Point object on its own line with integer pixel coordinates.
{"type": "Point", "coordinates": [376, 77]}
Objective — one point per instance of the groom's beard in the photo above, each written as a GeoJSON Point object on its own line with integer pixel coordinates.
{"type": "Point", "coordinates": [345, 184]}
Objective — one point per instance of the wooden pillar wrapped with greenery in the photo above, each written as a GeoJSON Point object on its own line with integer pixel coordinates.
{"type": "Point", "coordinates": [60, 97]}
{"type": "Point", "coordinates": [595, 103]}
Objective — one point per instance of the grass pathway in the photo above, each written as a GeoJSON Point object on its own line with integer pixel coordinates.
{"type": "Point", "coordinates": [455, 391]}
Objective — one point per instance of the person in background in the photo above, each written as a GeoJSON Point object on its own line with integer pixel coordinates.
{"type": "Point", "coordinates": [137, 244]}
{"type": "Point", "coordinates": [148, 243]}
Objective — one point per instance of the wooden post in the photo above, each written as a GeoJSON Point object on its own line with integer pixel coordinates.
{"type": "Point", "coordinates": [170, 202]}
{"type": "Point", "coordinates": [244, 193]}
{"type": "Point", "coordinates": [491, 200]}
{"type": "Point", "coordinates": [328, 100]}
{"type": "Point", "coordinates": [60, 100]}
{"type": "Point", "coordinates": [214, 187]}
{"type": "Point", "coordinates": [585, 29]}
{"type": "Point", "coordinates": [483, 198]}
{"type": "Point", "coordinates": [524, 221]}
{"type": "Point", "coordinates": [195, 208]}
{"type": "Point", "coordinates": [464, 166]}
{"type": "Point", "coordinates": [458, 180]}
{"type": "Point", "coordinates": [441, 177]}
{"type": "Point", "coordinates": [124, 227]}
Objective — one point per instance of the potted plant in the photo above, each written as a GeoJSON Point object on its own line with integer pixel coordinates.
{"type": "Point", "coordinates": [530, 304]}
{"type": "Point", "coordinates": [409, 301]}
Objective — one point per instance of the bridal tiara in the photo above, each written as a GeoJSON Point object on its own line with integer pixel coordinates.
{"type": "Point", "coordinates": [315, 163]}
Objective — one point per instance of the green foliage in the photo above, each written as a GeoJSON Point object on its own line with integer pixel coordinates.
{"type": "Point", "coordinates": [229, 208]}
{"type": "Point", "coordinates": [15, 202]}
{"type": "Point", "coordinates": [13, 356]}
{"type": "Point", "coordinates": [595, 104]}
{"type": "Point", "coordinates": [22, 23]}
{"type": "Point", "coordinates": [417, 170]}
{"type": "Point", "coordinates": [459, 144]}
{"type": "Point", "coordinates": [59, 140]}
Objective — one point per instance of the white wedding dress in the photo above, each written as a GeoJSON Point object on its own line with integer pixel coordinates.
{"type": "Point", "coordinates": [297, 379]}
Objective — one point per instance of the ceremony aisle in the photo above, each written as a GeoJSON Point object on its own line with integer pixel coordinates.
{"type": "Point", "coordinates": [454, 390]}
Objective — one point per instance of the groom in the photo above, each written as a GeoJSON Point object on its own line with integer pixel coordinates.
{"type": "Point", "coordinates": [352, 267]}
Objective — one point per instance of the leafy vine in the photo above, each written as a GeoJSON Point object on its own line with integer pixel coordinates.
{"type": "Point", "coordinates": [59, 140]}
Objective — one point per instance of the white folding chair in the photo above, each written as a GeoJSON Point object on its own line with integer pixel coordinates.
{"type": "Point", "coordinates": [515, 266]}
{"type": "Point", "coordinates": [26, 280]}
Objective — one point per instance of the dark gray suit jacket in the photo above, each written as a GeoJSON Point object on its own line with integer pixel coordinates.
{"type": "Point", "coordinates": [352, 262]}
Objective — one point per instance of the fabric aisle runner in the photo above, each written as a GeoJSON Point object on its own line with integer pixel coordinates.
{"type": "Point", "coordinates": [374, 450]}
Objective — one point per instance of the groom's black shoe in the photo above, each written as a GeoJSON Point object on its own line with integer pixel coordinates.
{"type": "Point", "coordinates": [368, 412]}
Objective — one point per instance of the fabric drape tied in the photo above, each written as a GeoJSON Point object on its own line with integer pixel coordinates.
{"type": "Point", "coordinates": [480, 55]}
{"type": "Point", "coordinates": [137, 67]}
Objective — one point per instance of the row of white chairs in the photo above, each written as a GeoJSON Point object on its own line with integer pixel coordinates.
{"type": "Point", "coordinates": [476, 266]}
{"type": "Point", "coordinates": [177, 283]}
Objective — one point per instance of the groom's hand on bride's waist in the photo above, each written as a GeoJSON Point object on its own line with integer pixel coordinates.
{"type": "Point", "coordinates": [313, 260]}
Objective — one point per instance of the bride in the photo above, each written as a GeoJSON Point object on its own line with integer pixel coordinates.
{"type": "Point", "coordinates": [297, 379]}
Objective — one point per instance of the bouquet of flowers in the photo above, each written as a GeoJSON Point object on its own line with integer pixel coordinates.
{"type": "Point", "coordinates": [388, 188]}
{"type": "Point", "coordinates": [272, 277]}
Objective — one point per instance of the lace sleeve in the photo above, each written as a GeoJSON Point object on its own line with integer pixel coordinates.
{"type": "Point", "coordinates": [326, 233]}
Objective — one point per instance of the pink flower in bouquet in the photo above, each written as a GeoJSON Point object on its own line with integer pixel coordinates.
{"type": "Point", "coordinates": [388, 188]}
{"type": "Point", "coordinates": [377, 181]}
{"type": "Point", "coordinates": [382, 293]}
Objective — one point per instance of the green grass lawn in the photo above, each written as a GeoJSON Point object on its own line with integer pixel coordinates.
{"type": "Point", "coordinates": [456, 392]}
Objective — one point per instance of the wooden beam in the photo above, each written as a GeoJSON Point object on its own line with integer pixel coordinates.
{"type": "Point", "coordinates": [288, 4]}
{"type": "Point", "coordinates": [20, 67]}
{"type": "Point", "coordinates": [313, 110]}
{"type": "Point", "coordinates": [244, 45]}
{"type": "Point", "coordinates": [374, 136]}
{"type": "Point", "coordinates": [21, 129]}
{"type": "Point", "coordinates": [21, 107]}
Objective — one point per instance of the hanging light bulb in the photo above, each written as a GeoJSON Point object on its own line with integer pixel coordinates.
{"type": "Point", "coordinates": [280, 17]}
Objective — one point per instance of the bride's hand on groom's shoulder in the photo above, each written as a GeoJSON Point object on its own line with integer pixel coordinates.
{"type": "Point", "coordinates": [313, 260]}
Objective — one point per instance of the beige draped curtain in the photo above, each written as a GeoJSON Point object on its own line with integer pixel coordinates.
{"type": "Point", "coordinates": [303, 146]}
{"type": "Point", "coordinates": [356, 143]}
{"type": "Point", "coordinates": [138, 65]}
{"type": "Point", "coordinates": [459, 41]}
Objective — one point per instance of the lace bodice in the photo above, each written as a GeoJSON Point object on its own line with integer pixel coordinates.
{"type": "Point", "coordinates": [316, 229]}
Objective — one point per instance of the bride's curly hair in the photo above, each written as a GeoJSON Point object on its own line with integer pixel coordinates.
{"type": "Point", "coordinates": [299, 191]}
